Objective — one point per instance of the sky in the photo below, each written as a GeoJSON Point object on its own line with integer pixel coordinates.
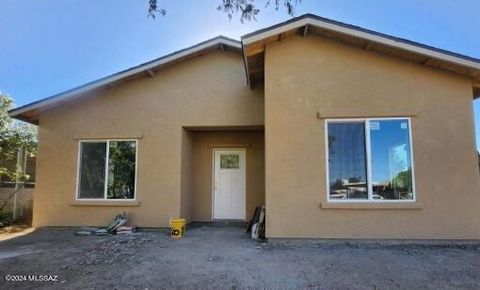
{"type": "Point", "coordinates": [49, 46]}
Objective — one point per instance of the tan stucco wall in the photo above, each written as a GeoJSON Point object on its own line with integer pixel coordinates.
{"type": "Point", "coordinates": [186, 175]}
{"type": "Point", "coordinates": [304, 76]}
{"type": "Point", "coordinates": [204, 143]}
{"type": "Point", "coordinates": [209, 90]}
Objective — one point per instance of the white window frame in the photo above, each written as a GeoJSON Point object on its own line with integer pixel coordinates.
{"type": "Point", "coordinates": [366, 122]}
{"type": "Point", "coordinates": [105, 189]}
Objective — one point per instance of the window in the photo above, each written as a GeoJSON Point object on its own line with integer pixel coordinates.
{"type": "Point", "coordinates": [369, 160]}
{"type": "Point", "coordinates": [107, 169]}
{"type": "Point", "coordinates": [229, 161]}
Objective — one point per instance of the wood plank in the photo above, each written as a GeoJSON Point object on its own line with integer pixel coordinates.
{"type": "Point", "coordinates": [252, 50]}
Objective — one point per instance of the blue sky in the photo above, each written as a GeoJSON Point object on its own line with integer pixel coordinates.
{"type": "Point", "coordinates": [48, 46]}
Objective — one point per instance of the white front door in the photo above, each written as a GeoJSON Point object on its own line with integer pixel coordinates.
{"type": "Point", "coordinates": [229, 184]}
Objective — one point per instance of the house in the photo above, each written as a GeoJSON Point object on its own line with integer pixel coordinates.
{"type": "Point", "coordinates": [340, 131]}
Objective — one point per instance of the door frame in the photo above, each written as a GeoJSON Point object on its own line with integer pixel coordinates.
{"type": "Point", "coordinates": [213, 177]}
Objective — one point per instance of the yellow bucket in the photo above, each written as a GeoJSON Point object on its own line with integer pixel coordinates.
{"type": "Point", "coordinates": [177, 228]}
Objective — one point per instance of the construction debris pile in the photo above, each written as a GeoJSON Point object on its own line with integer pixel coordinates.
{"type": "Point", "coordinates": [125, 230]}
{"type": "Point", "coordinates": [117, 226]}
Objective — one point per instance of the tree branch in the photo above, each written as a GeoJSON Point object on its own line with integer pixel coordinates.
{"type": "Point", "coordinates": [247, 9]}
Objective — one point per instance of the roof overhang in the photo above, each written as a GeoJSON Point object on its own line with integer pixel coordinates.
{"type": "Point", "coordinates": [254, 46]}
{"type": "Point", "coordinates": [29, 113]}
{"type": "Point", "coordinates": [476, 89]}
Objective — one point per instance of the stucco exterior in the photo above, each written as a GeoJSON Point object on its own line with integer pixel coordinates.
{"type": "Point", "coordinates": [273, 101]}
{"type": "Point", "coordinates": [312, 78]}
{"type": "Point", "coordinates": [205, 91]}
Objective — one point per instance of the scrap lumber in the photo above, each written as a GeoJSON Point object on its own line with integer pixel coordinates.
{"type": "Point", "coordinates": [117, 222]}
{"type": "Point", "coordinates": [258, 228]}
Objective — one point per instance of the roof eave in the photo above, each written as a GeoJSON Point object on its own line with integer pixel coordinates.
{"type": "Point", "coordinates": [217, 41]}
{"type": "Point", "coordinates": [447, 57]}
{"type": "Point", "coordinates": [476, 89]}
{"type": "Point", "coordinates": [365, 34]}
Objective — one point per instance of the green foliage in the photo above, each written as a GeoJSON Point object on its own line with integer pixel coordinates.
{"type": "Point", "coordinates": [248, 9]}
{"type": "Point", "coordinates": [122, 165]}
{"type": "Point", "coordinates": [5, 104]}
{"type": "Point", "coordinates": [5, 218]}
{"type": "Point", "coordinates": [403, 181]}
{"type": "Point", "coordinates": [14, 135]}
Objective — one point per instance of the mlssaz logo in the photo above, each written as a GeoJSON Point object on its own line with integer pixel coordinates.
{"type": "Point", "coordinates": [31, 278]}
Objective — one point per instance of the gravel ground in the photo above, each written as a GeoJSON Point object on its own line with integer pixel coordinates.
{"type": "Point", "coordinates": [222, 257]}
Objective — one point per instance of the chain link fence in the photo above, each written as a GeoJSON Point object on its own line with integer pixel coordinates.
{"type": "Point", "coordinates": [16, 190]}
{"type": "Point", "coordinates": [16, 203]}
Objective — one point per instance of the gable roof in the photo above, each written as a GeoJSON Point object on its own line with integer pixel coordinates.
{"type": "Point", "coordinates": [28, 112]}
{"type": "Point", "coordinates": [253, 47]}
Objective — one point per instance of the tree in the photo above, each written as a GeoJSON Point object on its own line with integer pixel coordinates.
{"type": "Point", "coordinates": [403, 181]}
{"type": "Point", "coordinates": [14, 135]}
{"type": "Point", "coordinates": [248, 9]}
{"type": "Point", "coordinates": [122, 163]}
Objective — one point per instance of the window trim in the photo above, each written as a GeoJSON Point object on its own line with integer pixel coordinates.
{"type": "Point", "coordinates": [366, 122]}
{"type": "Point", "coordinates": [105, 190]}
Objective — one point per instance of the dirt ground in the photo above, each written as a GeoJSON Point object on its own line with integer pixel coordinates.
{"type": "Point", "coordinates": [222, 257]}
